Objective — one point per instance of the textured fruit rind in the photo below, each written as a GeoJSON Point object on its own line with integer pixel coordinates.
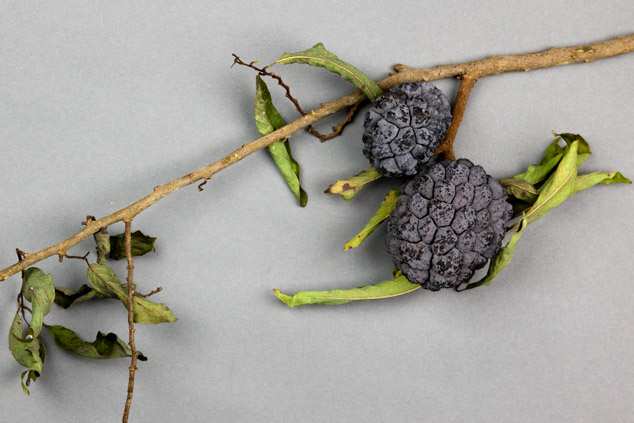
{"type": "Point", "coordinates": [404, 128]}
{"type": "Point", "coordinates": [449, 221]}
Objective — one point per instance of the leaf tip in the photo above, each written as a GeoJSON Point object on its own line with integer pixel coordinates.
{"type": "Point", "coordinates": [303, 198]}
{"type": "Point", "coordinates": [286, 299]}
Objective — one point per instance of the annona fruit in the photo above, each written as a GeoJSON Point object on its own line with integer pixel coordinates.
{"type": "Point", "coordinates": [404, 127]}
{"type": "Point", "coordinates": [448, 222]}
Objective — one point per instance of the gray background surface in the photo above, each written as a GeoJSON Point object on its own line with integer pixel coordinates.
{"type": "Point", "coordinates": [101, 101]}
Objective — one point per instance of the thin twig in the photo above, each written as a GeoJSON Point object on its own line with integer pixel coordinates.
{"type": "Point", "coordinates": [336, 130]}
{"type": "Point", "coordinates": [149, 294]}
{"type": "Point", "coordinates": [445, 149]}
{"type": "Point", "coordinates": [278, 78]}
{"type": "Point", "coordinates": [133, 352]}
{"type": "Point", "coordinates": [478, 69]}
{"type": "Point", "coordinates": [202, 184]}
{"type": "Point", "coordinates": [84, 257]}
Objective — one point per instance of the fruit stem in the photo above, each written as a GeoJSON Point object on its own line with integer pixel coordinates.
{"type": "Point", "coordinates": [445, 149]}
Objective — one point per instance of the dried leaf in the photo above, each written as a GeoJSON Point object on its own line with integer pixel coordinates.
{"type": "Point", "coordinates": [102, 239]}
{"type": "Point", "coordinates": [65, 297]}
{"type": "Point", "coordinates": [501, 259]}
{"type": "Point", "coordinates": [106, 282]}
{"type": "Point", "coordinates": [348, 188]}
{"type": "Point", "coordinates": [103, 347]}
{"type": "Point", "coordinates": [38, 289]}
{"type": "Point", "coordinates": [268, 119]}
{"type": "Point", "coordinates": [141, 244]}
{"type": "Point", "coordinates": [520, 189]}
{"type": "Point", "coordinates": [386, 289]}
{"type": "Point", "coordinates": [583, 148]}
{"type": "Point", "coordinates": [387, 205]}
{"type": "Point", "coordinates": [29, 352]}
{"type": "Point", "coordinates": [319, 56]}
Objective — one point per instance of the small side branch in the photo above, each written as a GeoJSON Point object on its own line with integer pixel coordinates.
{"type": "Point", "coordinates": [133, 360]}
{"type": "Point", "coordinates": [149, 294]}
{"type": "Point", "coordinates": [445, 149]}
{"type": "Point", "coordinates": [336, 130]}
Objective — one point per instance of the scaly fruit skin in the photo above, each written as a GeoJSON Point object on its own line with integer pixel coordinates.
{"type": "Point", "coordinates": [404, 128]}
{"type": "Point", "coordinates": [449, 221]}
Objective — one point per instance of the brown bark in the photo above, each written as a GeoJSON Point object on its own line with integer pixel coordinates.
{"type": "Point", "coordinates": [492, 66]}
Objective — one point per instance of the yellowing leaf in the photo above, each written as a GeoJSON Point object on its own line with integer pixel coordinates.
{"type": "Point", "coordinates": [588, 180]}
{"type": "Point", "coordinates": [386, 289]}
{"type": "Point", "coordinates": [558, 187]}
{"type": "Point", "coordinates": [387, 205]}
{"type": "Point", "coordinates": [348, 188]}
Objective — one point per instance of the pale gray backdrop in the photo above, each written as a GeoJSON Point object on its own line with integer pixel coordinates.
{"type": "Point", "coordinates": [101, 101]}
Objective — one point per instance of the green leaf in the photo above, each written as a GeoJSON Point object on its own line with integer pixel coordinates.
{"type": "Point", "coordinates": [65, 297]}
{"type": "Point", "coordinates": [268, 119]}
{"type": "Point", "coordinates": [553, 150]}
{"type": "Point", "coordinates": [386, 289]}
{"type": "Point", "coordinates": [520, 189]}
{"type": "Point", "coordinates": [38, 289]}
{"type": "Point", "coordinates": [319, 56]}
{"type": "Point", "coordinates": [588, 180]}
{"type": "Point", "coordinates": [29, 352]}
{"type": "Point", "coordinates": [537, 173]}
{"type": "Point", "coordinates": [387, 205]}
{"type": "Point", "coordinates": [106, 282]}
{"type": "Point", "coordinates": [102, 239]}
{"type": "Point", "coordinates": [348, 188]}
{"type": "Point", "coordinates": [501, 259]}
{"type": "Point", "coordinates": [103, 347]}
{"type": "Point", "coordinates": [141, 244]}
{"type": "Point", "coordinates": [583, 148]}
{"type": "Point", "coordinates": [558, 187]}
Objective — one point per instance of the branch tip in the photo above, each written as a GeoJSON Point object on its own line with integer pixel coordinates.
{"type": "Point", "coordinates": [398, 68]}
{"type": "Point", "coordinates": [203, 183]}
